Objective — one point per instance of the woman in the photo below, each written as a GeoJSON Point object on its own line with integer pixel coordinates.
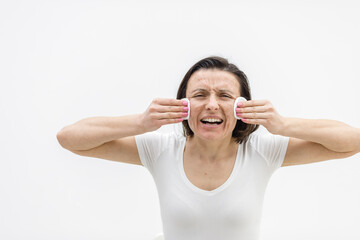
{"type": "Point", "coordinates": [211, 181]}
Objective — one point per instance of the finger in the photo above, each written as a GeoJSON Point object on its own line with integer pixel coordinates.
{"type": "Point", "coordinates": [169, 102]}
{"type": "Point", "coordinates": [251, 109]}
{"type": "Point", "coordinates": [252, 103]}
{"type": "Point", "coordinates": [164, 109]}
{"type": "Point", "coordinates": [254, 121]}
{"type": "Point", "coordinates": [170, 121]}
{"type": "Point", "coordinates": [253, 115]}
{"type": "Point", "coordinates": [169, 115]}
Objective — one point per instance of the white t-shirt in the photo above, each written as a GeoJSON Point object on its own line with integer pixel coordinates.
{"type": "Point", "coordinates": [229, 212]}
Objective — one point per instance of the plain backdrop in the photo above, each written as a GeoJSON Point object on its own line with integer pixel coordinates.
{"type": "Point", "coordinates": [62, 61]}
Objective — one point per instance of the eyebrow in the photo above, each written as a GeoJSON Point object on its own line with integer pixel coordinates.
{"type": "Point", "coordinates": [220, 90]}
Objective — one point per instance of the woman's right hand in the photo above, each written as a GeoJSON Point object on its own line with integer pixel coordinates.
{"type": "Point", "coordinates": [163, 111]}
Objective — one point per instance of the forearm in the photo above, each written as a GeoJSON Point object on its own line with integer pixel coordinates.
{"type": "Point", "coordinates": [334, 135]}
{"type": "Point", "coordinates": [95, 131]}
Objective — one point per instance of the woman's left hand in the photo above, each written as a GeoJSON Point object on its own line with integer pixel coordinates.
{"type": "Point", "coordinates": [261, 112]}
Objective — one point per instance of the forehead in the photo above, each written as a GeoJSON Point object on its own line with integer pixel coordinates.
{"type": "Point", "coordinates": [213, 79]}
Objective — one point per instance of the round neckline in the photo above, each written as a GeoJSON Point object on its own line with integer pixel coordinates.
{"type": "Point", "coordinates": [202, 191]}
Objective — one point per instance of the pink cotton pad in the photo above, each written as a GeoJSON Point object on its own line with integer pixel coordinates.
{"type": "Point", "coordinates": [239, 99]}
{"type": "Point", "coordinates": [187, 117]}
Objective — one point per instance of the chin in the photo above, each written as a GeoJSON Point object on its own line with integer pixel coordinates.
{"type": "Point", "coordinates": [211, 136]}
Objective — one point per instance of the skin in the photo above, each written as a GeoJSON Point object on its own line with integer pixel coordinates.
{"type": "Point", "coordinates": [112, 138]}
{"type": "Point", "coordinates": [212, 93]}
{"type": "Point", "coordinates": [309, 140]}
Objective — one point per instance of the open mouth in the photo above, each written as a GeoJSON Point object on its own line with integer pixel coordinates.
{"type": "Point", "coordinates": [212, 121]}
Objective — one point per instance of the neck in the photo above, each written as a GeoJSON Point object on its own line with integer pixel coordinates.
{"type": "Point", "coordinates": [210, 151]}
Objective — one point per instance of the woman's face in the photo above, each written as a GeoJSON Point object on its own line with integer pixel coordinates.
{"type": "Point", "coordinates": [212, 94]}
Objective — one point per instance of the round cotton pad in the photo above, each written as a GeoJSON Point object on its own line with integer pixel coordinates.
{"type": "Point", "coordinates": [187, 117]}
{"type": "Point", "coordinates": [239, 99]}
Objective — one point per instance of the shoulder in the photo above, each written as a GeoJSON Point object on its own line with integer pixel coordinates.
{"type": "Point", "coordinates": [258, 139]}
{"type": "Point", "coordinates": [265, 143]}
{"type": "Point", "coordinates": [271, 148]}
{"type": "Point", "coordinates": [151, 145]}
{"type": "Point", "coordinates": [159, 138]}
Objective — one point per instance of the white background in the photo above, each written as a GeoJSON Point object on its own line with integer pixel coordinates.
{"type": "Point", "coordinates": [62, 61]}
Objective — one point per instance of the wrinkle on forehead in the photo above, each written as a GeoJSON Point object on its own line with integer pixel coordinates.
{"type": "Point", "coordinates": [213, 79]}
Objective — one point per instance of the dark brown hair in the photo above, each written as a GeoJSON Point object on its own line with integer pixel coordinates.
{"type": "Point", "coordinates": [242, 130]}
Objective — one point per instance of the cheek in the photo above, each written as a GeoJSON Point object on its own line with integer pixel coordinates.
{"type": "Point", "coordinates": [231, 121]}
{"type": "Point", "coordinates": [230, 113]}
{"type": "Point", "coordinates": [230, 118]}
{"type": "Point", "coordinates": [196, 109]}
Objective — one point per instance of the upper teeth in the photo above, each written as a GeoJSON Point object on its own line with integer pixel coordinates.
{"type": "Point", "coordinates": [212, 120]}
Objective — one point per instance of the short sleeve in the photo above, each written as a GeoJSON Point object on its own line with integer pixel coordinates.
{"type": "Point", "coordinates": [150, 145]}
{"type": "Point", "coordinates": [271, 147]}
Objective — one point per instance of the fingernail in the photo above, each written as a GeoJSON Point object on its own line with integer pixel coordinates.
{"type": "Point", "coordinates": [185, 103]}
{"type": "Point", "coordinates": [239, 113]}
{"type": "Point", "coordinates": [185, 114]}
{"type": "Point", "coordinates": [186, 109]}
{"type": "Point", "coordinates": [240, 104]}
{"type": "Point", "coordinates": [180, 120]}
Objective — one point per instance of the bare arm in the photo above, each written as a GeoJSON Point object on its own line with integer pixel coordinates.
{"type": "Point", "coordinates": [112, 138]}
{"type": "Point", "coordinates": [95, 131]}
{"type": "Point", "coordinates": [310, 140]}
{"type": "Point", "coordinates": [319, 140]}
{"type": "Point", "coordinates": [333, 135]}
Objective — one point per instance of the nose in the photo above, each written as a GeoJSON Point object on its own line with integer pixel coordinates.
{"type": "Point", "coordinates": [212, 103]}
